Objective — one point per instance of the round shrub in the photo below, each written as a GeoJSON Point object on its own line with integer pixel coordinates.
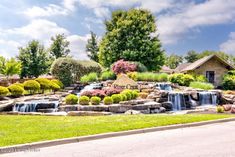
{"type": "Point", "coordinates": [181, 79]}
{"type": "Point", "coordinates": [220, 109]}
{"type": "Point", "coordinates": [54, 86]}
{"type": "Point", "coordinates": [143, 95]}
{"type": "Point", "coordinates": [229, 82]}
{"type": "Point", "coordinates": [108, 100]}
{"type": "Point", "coordinates": [123, 67]}
{"type": "Point", "coordinates": [124, 97]}
{"type": "Point", "coordinates": [19, 84]}
{"type": "Point", "coordinates": [116, 98]}
{"type": "Point", "coordinates": [71, 99]}
{"type": "Point", "coordinates": [16, 90]}
{"type": "Point", "coordinates": [84, 100]}
{"type": "Point", "coordinates": [32, 86]}
{"type": "Point", "coordinates": [58, 82]}
{"type": "Point", "coordinates": [200, 78]}
{"type": "Point", "coordinates": [128, 94]}
{"type": "Point", "coordinates": [135, 94]}
{"type": "Point", "coordinates": [3, 91]}
{"type": "Point", "coordinates": [95, 100]}
{"type": "Point", "coordinates": [44, 84]}
{"type": "Point", "coordinates": [107, 75]}
{"type": "Point", "coordinates": [92, 77]}
{"type": "Point", "coordinates": [132, 75]}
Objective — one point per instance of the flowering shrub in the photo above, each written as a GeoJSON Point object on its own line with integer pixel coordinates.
{"type": "Point", "coordinates": [111, 91]}
{"type": "Point", "coordinates": [87, 93]}
{"type": "Point", "coordinates": [122, 66]}
{"type": "Point", "coordinates": [98, 93]}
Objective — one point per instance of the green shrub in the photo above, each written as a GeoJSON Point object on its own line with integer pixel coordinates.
{"type": "Point", "coordinates": [92, 77]}
{"type": "Point", "coordinates": [135, 94]}
{"type": "Point", "coordinates": [107, 75]}
{"type": "Point", "coordinates": [108, 100]}
{"type": "Point", "coordinates": [84, 100]}
{"type": "Point", "coordinates": [58, 82]}
{"type": "Point", "coordinates": [45, 84]}
{"type": "Point", "coordinates": [128, 94]}
{"type": "Point", "coordinates": [157, 77]}
{"type": "Point", "coordinates": [202, 85]}
{"type": "Point", "coordinates": [200, 78]}
{"type": "Point", "coordinates": [19, 84]}
{"type": "Point", "coordinates": [32, 86]}
{"type": "Point", "coordinates": [95, 100]}
{"type": "Point", "coordinates": [132, 75]}
{"type": "Point", "coordinates": [3, 91]}
{"type": "Point", "coordinates": [16, 90]}
{"type": "Point", "coordinates": [220, 109]}
{"type": "Point", "coordinates": [71, 99]}
{"type": "Point", "coordinates": [140, 67]}
{"type": "Point", "coordinates": [69, 70]}
{"type": "Point", "coordinates": [54, 86]}
{"type": "Point", "coordinates": [123, 97]}
{"type": "Point", "coordinates": [229, 81]}
{"type": "Point", "coordinates": [116, 98]}
{"type": "Point", "coordinates": [181, 79]}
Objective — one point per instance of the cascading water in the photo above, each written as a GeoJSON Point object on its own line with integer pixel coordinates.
{"type": "Point", "coordinates": [32, 106]}
{"type": "Point", "coordinates": [177, 100]}
{"type": "Point", "coordinates": [207, 98]}
{"type": "Point", "coordinates": [164, 86]}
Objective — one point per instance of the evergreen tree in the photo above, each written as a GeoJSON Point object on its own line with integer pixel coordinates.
{"type": "Point", "coordinates": [92, 47]}
{"type": "Point", "coordinates": [59, 47]}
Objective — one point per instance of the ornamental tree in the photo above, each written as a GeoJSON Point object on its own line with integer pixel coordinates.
{"type": "Point", "coordinates": [124, 67]}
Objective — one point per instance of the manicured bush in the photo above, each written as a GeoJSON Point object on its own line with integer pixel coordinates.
{"type": "Point", "coordinates": [116, 98]}
{"type": "Point", "coordinates": [45, 84]}
{"type": "Point", "coordinates": [229, 81]}
{"type": "Point", "coordinates": [32, 86]}
{"type": "Point", "coordinates": [132, 75]}
{"type": "Point", "coordinates": [108, 100]}
{"type": "Point", "coordinates": [200, 78]}
{"type": "Point", "coordinates": [181, 79]}
{"type": "Point", "coordinates": [3, 91]}
{"type": "Point", "coordinates": [98, 93]}
{"type": "Point", "coordinates": [84, 100]}
{"type": "Point", "coordinates": [143, 95]}
{"type": "Point", "coordinates": [95, 100]}
{"type": "Point", "coordinates": [123, 67]}
{"type": "Point", "coordinates": [156, 77]}
{"type": "Point", "coordinates": [124, 97]}
{"type": "Point", "coordinates": [69, 70]}
{"type": "Point", "coordinates": [58, 82]}
{"type": "Point", "coordinates": [54, 86]}
{"type": "Point", "coordinates": [107, 75]}
{"type": "Point", "coordinates": [220, 109]}
{"type": "Point", "coordinates": [135, 94]}
{"type": "Point", "coordinates": [16, 90]}
{"type": "Point", "coordinates": [202, 85]}
{"type": "Point", "coordinates": [92, 77]}
{"type": "Point", "coordinates": [87, 93]}
{"type": "Point", "coordinates": [128, 94]}
{"type": "Point", "coordinates": [19, 84]}
{"type": "Point", "coordinates": [111, 91]}
{"type": "Point", "coordinates": [71, 99]}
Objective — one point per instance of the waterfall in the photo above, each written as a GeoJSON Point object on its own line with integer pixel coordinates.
{"type": "Point", "coordinates": [33, 106]}
{"type": "Point", "coordinates": [177, 100]}
{"type": "Point", "coordinates": [207, 98]}
{"type": "Point", "coordinates": [164, 86]}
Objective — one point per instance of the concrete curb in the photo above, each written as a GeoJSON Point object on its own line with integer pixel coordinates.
{"type": "Point", "coordinates": [37, 145]}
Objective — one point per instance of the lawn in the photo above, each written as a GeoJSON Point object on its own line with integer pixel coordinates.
{"type": "Point", "coordinates": [26, 129]}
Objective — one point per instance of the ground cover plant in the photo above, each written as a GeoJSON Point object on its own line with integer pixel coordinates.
{"type": "Point", "coordinates": [202, 85]}
{"type": "Point", "coordinates": [49, 128]}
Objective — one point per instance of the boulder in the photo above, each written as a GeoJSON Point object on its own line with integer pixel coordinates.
{"type": "Point", "coordinates": [68, 108]}
{"type": "Point", "coordinates": [167, 105]}
{"type": "Point", "coordinates": [233, 109]}
{"type": "Point", "coordinates": [132, 112]}
{"type": "Point", "coordinates": [194, 95]}
{"type": "Point", "coordinates": [228, 98]}
{"type": "Point", "coordinates": [147, 106]}
{"type": "Point", "coordinates": [227, 107]}
{"type": "Point", "coordinates": [116, 108]}
{"type": "Point", "coordinates": [87, 113]}
{"type": "Point", "coordinates": [103, 108]}
{"type": "Point", "coordinates": [6, 105]}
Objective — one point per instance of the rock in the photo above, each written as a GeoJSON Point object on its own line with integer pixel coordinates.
{"type": "Point", "coordinates": [227, 107]}
{"type": "Point", "coordinates": [103, 108]}
{"type": "Point", "coordinates": [233, 109]}
{"type": "Point", "coordinates": [48, 110]}
{"type": "Point", "coordinates": [68, 108]}
{"type": "Point", "coordinates": [87, 113]}
{"type": "Point", "coordinates": [56, 114]}
{"type": "Point", "coordinates": [132, 112]}
{"type": "Point", "coordinates": [147, 106]}
{"type": "Point", "coordinates": [119, 108]}
{"type": "Point", "coordinates": [167, 105]}
{"type": "Point", "coordinates": [228, 99]}
{"type": "Point", "coordinates": [6, 105]}
{"type": "Point", "coordinates": [194, 95]}
{"type": "Point", "coordinates": [162, 110]}
{"type": "Point", "coordinates": [151, 96]}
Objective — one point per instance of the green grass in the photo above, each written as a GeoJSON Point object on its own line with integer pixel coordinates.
{"type": "Point", "coordinates": [202, 85]}
{"type": "Point", "coordinates": [26, 129]}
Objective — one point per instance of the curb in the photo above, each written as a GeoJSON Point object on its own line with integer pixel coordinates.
{"type": "Point", "coordinates": [37, 145]}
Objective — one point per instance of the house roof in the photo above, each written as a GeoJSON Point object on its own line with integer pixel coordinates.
{"type": "Point", "coordinates": [166, 69]}
{"type": "Point", "coordinates": [203, 60]}
{"type": "Point", "coordinates": [180, 67]}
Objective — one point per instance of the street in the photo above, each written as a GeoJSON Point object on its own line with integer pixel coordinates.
{"type": "Point", "coordinates": [215, 140]}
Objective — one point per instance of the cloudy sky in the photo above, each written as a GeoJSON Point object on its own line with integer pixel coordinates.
{"type": "Point", "coordinates": [183, 25]}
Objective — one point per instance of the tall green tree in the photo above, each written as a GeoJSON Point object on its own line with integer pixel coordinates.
{"type": "Point", "coordinates": [132, 36]}
{"type": "Point", "coordinates": [34, 59]}
{"type": "Point", "coordinates": [191, 56]}
{"type": "Point", "coordinates": [92, 48]}
{"type": "Point", "coordinates": [9, 67]}
{"type": "Point", "coordinates": [174, 60]}
{"type": "Point", "coordinates": [59, 47]}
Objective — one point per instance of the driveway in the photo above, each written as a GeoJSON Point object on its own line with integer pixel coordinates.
{"type": "Point", "coordinates": [215, 140]}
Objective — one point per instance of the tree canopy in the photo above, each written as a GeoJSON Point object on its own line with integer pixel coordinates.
{"type": "Point", "coordinates": [174, 60]}
{"type": "Point", "coordinates": [92, 48]}
{"type": "Point", "coordinates": [132, 36]}
{"type": "Point", "coordinates": [59, 47]}
{"type": "Point", "coordinates": [34, 59]}
{"type": "Point", "coordinates": [9, 67]}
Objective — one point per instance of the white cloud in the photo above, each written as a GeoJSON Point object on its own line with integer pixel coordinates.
{"type": "Point", "coordinates": [78, 46]}
{"type": "Point", "coordinates": [70, 4]}
{"type": "Point", "coordinates": [9, 48]}
{"type": "Point", "coordinates": [229, 45]}
{"type": "Point", "coordinates": [102, 12]}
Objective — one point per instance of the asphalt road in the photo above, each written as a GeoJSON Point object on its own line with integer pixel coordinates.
{"type": "Point", "coordinates": [215, 140]}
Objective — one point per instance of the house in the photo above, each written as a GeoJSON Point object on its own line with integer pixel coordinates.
{"type": "Point", "coordinates": [166, 69]}
{"type": "Point", "coordinates": [212, 67]}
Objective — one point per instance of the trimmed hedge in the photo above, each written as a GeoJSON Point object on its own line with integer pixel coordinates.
{"type": "Point", "coordinates": [156, 77]}
{"type": "Point", "coordinates": [108, 100]}
{"type": "Point", "coordinates": [84, 100]}
{"type": "Point", "coordinates": [95, 100]}
{"type": "Point", "coordinates": [181, 79]}
{"type": "Point", "coordinates": [69, 70]}
{"type": "Point", "coordinates": [44, 84]}
{"type": "Point", "coordinates": [116, 98]}
{"type": "Point", "coordinates": [71, 99]}
{"type": "Point", "coordinates": [3, 91]}
{"type": "Point", "coordinates": [16, 90]}
{"type": "Point", "coordinates": [58, 82]}
{"type": "Point", "coordinates": [32, 86]}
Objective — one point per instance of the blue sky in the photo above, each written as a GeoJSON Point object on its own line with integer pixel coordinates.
{"type": "Point", "coordinates": [183, 25]}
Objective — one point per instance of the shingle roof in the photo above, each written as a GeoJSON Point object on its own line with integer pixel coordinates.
{"type": "Point", "coordinates": [181, 66]}
{"type": "Point", "coordinates": [166, 69]}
